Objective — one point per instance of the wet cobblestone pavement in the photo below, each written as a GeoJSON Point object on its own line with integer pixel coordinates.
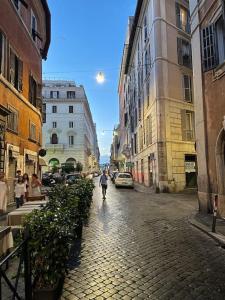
{"type": "Point", "coordinates": [140, 246]}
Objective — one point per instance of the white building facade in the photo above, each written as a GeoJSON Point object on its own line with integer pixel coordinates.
{"type": "Point", "coordinates": [156, 96]}
{"type": "Point", "coordinates": [69, 133]}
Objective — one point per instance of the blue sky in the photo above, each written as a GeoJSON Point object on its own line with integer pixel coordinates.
{"type": "Point", "coordinates": [87, 37]}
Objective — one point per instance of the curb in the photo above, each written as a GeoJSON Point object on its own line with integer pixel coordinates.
{"type": "Point", "coordinates": [216, 236]}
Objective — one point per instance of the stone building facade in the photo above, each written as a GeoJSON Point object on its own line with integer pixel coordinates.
{"type": "Point", "coordinates": [156, 96]}
{"type": "Point", "coordinates": [208, 31]}
{"type": "Point", "coordinates": [69, 133]}
{"type": "Point", "coordinates": [24, 42]}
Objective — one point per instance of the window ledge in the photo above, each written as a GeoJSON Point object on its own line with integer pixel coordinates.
{"type": "Point", "coordinates": [32, 140]}
{"type": "Point", "coordinates": [12, 131]}
{"type": "Point", "coordinates": [219, 71]}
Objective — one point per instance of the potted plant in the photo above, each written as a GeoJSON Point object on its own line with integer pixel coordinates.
{"type": "Point", "coordinates": [52, 232]}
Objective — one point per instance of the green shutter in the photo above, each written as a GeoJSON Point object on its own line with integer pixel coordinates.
{"type": "Point", "coordinates": [183, 124]}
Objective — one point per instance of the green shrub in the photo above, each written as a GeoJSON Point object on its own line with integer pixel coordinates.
{"type": "Point", "coordinates": [52, 230]}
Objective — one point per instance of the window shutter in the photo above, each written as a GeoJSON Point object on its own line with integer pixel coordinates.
{"type": "Point", "coordinates": [178, 15]}
{"type": "Point", "coordinates": [30, 89]}
{"type": "Point", "coordinates": [223, 9]}
{"type": "Point", "coordinates": [183, 124]}
{"type": "Point", "coordinates": [39, 96]}
{"type": "Point", "coordinates": [179, 51]}
{"type": "Point", "coordinates": [1, 53]}
{"type": "Point", "coordinates": [188, 26]}
{"type": "Point", "coordinates": [24, 3]}
{"type": "Point", "coordinates": [12, 60]}
{"type": "Point", "coordinates": [20, 75]}
{"type": "Point", "coordinates": [209, 48]}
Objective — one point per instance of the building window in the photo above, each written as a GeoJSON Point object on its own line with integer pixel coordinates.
{"type": "Point", "coordinates": [32, 131]}
{"type": "Point", "coordinates": [71, 94]}
{"type": "Point", "coordinates": [12, 120]}
{"type": "Point", "coordinates": [209, 48]}
{"type": "Point", "coordinates": [71, 140]}
{"type": "Point", "coordinates": [187, 124]}
{"type": "Point", "coordinates": [135, 143]}
{"type": "Point", "coordinates": [15, 71]}
{"type": "Point", "coordinates": [187, 87]}
{"type": "Point", "coordinates": [183, 18]}
{"type": "Point", "coordinates": [32, 91]}
{"type": "Point", "coordinates": [54, 139]}
{"type": "Point", "coordinates": [54, 94]}
{"type": "Point", "coordinates": [145, 29]}
{"type": "Point", "coordinates": [148, 128]}
{"type": "Point", "coordinates": [17, 4]}
{"type": "Point", "coordinates": [54, 109]}
{"type": "Point", "coordinates": [44, 112]}
{"type": "Point", "coordinates": [54, 125]}
{"type": "Point", "coordinates": [184, 53]}
{"type": "Point", "coordinates": [70, 109]}
{"type": "Point", "coordinates": [33, 26]}
{"type": "Point", "coordinates": [220, 35]}
{"type": "Point", "coordinates": [70, 124]}
{"type": "Point", "coordinates": [2, 54]}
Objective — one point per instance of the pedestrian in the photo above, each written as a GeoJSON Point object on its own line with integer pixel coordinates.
{"type": "Point", "coordinates": [20, 190]}
{"type": "Point", "coordinates": [3, 193]}
{"type": "Point", "coordinates": [35, 185]}
{"type": "Point", "coordinates": [18, 174]}
{"type": "Point", "coordinates": [103, 182]}
{"type": "Point", "coordinates": [27, 185]}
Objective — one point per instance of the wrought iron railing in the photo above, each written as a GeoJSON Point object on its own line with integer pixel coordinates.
{"type": "Point", "coordinates": [23, 271]}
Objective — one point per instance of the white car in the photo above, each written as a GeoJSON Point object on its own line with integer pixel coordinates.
{"type": "Point", "coordinates": [124, 179]}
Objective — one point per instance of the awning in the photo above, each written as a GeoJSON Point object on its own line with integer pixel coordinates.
{"type": "Point", "coordinates": [42, 163]}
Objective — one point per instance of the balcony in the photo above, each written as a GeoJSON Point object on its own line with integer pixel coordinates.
{"type": "Point", "coordinates": [55, 147]}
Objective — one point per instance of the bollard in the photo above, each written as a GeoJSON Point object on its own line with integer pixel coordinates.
{"type": "Point", "coordinates": [215, 213]}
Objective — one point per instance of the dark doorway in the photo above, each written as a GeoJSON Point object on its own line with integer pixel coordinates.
{"type": "Point", "coordinates": [190, 170]}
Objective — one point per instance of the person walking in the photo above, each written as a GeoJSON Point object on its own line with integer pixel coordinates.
{"type": "Point", "coordinates": [20, 190]}
{"type": "Point", "coordinates": [104, 183]}
{"type": "Point", "coordinates": [35, 185]}
{"type": "Point", "coordinates": [3, 193]}
{"type": "Point", "coordinates": [27, 185]}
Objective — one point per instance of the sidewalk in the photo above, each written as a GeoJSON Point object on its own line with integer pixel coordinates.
{"type": "Point", "coordinates": [204, 223]}
{"type": "Point", "coordinates": [143, 189]}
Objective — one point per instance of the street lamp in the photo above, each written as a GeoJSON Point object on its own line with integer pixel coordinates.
{"type": "Point", "coordinates": [100, 78]}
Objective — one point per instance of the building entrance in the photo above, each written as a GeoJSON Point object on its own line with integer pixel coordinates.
{"type": "Point", "coordinates": [190, 171]}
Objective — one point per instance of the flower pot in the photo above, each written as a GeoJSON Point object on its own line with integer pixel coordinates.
{"type": "Point", "coordinates": [53, 293]}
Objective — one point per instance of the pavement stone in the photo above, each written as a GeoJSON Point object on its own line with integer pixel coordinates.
{"type": "Point", "coordinates": [142, 246]}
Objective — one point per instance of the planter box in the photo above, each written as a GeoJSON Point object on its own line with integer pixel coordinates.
{"type": "Point", "coordinates": [49, 293]}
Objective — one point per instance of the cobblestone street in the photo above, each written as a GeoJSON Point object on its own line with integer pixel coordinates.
{"type": "Point", "coordinates": [141, 246]}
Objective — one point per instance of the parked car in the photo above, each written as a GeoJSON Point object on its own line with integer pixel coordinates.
{"type": "Point", "coordinates": [46, 179]}
{"type": "Point", "coordinates": [72, 178]}
{"type": "Point", "coordinates": [124, 180]}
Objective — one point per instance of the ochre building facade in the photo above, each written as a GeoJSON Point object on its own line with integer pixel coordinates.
{"type": "Point", "coordinates": [24, 42]}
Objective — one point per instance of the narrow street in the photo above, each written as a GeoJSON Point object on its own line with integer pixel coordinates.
{"type": "Point", "coordinates": [141, 246]}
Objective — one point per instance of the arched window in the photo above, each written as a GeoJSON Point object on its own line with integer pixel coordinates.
{"type": "Point", "coordinates": [54, 139]}
{"type": "Point", "coordinates": [53, 162]}
{"type": "Point", "coordinates": [71, 161]}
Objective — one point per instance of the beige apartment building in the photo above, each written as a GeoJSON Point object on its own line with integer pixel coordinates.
{"type": "Point", "coordinates": [156, 98]}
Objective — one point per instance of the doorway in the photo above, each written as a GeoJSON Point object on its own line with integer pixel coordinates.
{"type": "Point", "coordinates": [190, 171]}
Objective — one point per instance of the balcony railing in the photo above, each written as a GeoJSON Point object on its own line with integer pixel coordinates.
{"type": "Point", "coordinates": [54, 146]}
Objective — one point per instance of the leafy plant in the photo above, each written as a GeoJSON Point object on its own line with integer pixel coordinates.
{"type": "Point", "coordinates": [79, 167]}
{"type": "Point", "coordinates": [53, 229]}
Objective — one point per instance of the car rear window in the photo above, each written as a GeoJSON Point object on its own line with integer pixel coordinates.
{"type": "Point", "coordinates": [124, 176]}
